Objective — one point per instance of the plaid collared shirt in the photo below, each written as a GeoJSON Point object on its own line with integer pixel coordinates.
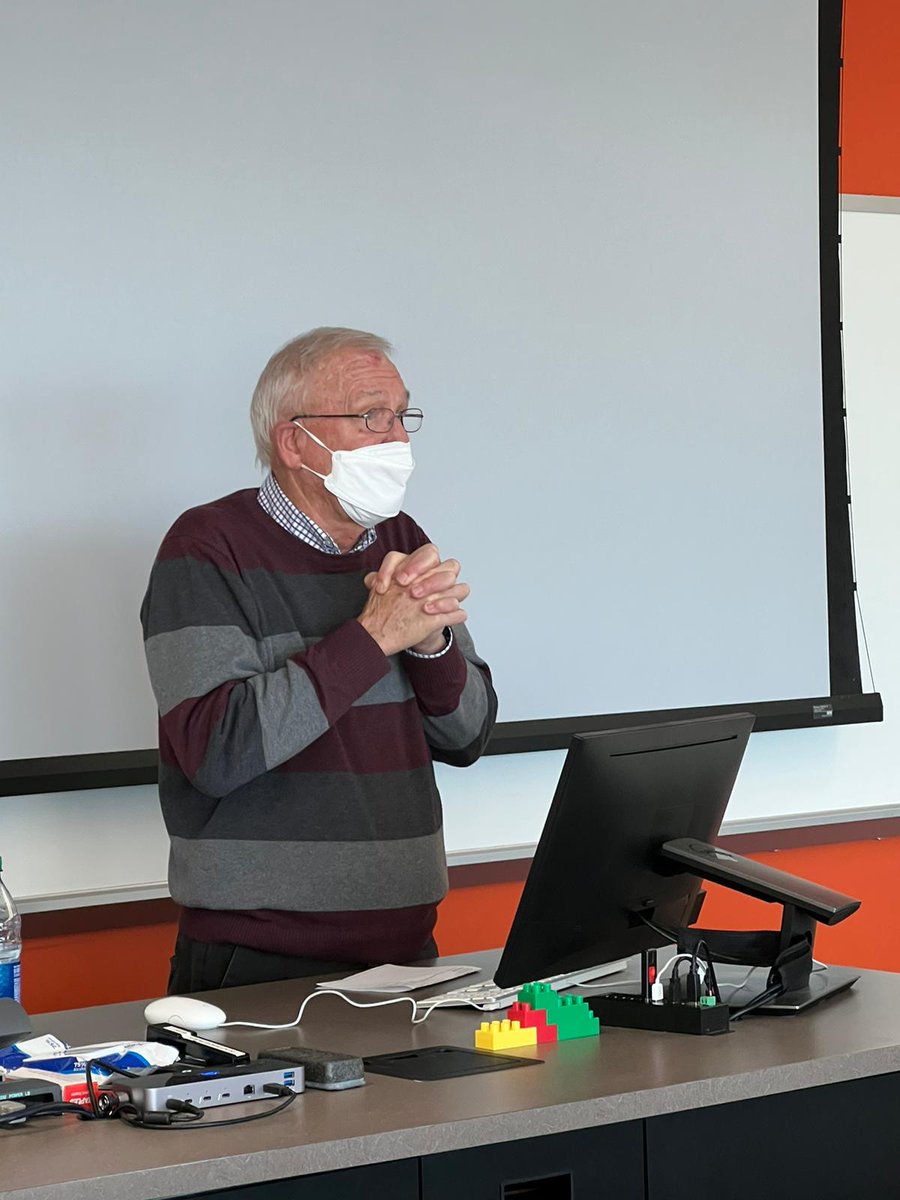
{"type": "Point", "coordinates": [289, 517]}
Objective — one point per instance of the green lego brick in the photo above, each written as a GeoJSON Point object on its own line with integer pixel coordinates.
{"type": "Point", "coordinates": [540, 995]}
{"type": "Point", "coordinates": [574, 1019]}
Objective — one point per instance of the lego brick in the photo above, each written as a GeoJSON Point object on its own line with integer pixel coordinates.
{"type": "Point", "coordinates": [540, 995]}
{"type": "Point", "coordinates": [574, 1019]}
{"type": "Point", "coordinates": [533, 1018]}
{"type": "Point", "coordinates": [503, 1035]}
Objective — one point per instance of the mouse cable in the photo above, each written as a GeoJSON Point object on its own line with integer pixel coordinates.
{"type": "Point", "coordinates": [429, 1007]}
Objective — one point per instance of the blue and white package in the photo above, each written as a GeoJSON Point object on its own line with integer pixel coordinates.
{"type": "Point", "coordinates": [12, 1057]}
{"type": "Point", "coordinates": [53, 1054]}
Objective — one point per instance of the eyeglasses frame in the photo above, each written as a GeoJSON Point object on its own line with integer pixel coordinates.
{"type": "Point", "coordinates": [407, 412]}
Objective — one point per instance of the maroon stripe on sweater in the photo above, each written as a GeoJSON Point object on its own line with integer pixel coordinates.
{"type": "Point", "coordinates": [384, 935]}
{"type": "Point", "coordinates": [342, 666]}
{"type": "Point", "coordinates": [186, 730]}
{"type": "Point", "coordinates": [236, 530]}
{"type": "Point", "coordinates": [367, 740]}
{"type": "Point", "coordinates": [438, 682]}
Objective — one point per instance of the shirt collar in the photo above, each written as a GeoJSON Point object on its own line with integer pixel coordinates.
{"type": "Point", "coordinates": [290, 517]}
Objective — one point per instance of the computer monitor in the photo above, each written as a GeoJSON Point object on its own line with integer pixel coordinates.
{"type": "Point", "coordinates": [597, 876]}
{"type": "Point", "coordinates": [625, 846]}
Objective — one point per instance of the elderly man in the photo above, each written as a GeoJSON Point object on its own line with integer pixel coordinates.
{"type": "Point", "coordinates": [309, 657]}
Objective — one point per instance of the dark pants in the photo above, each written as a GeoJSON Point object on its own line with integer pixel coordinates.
{"type": "Point", "coordinates": [207, 966]}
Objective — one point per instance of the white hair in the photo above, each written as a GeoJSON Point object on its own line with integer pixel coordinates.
{"type": "Point", "coordinates": [284, 378]}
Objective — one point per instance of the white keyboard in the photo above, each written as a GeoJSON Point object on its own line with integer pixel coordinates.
{"type": "Point", "coordinates": [489, 995]}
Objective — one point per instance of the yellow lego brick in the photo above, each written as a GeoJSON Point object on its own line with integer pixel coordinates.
{"type": "Point", "coordinates": [503, 1035]}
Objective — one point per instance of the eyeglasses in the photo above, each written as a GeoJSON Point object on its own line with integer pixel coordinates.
{"type": "Point", "coordinates": [378, 420]}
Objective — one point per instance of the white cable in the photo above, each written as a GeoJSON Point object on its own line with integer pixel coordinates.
{"type": "Point", "coordinates": [356, 1004]}
{"type": "Point", "coordinates": [429, 1007]}
{"type": "Point", "coordinates": [736, 987]}
{"type": "Point", "coordinates": [595, 986]}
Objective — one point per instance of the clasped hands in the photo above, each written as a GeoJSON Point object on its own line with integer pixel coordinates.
{"type": "Point", "coordinates": [412, 597]}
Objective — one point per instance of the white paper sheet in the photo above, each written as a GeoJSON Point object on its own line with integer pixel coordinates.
{"type": "Point", "coordinates": [397, 980]}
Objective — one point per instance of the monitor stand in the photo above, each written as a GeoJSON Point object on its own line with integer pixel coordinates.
{"type": "Point", "coordinates": [823, 982]}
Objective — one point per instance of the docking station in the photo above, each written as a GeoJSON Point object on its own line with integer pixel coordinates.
{"type": "Point", "coordinates": [206, 1087]}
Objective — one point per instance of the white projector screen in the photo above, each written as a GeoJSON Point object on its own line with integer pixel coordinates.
{"type": "Point", "coordinates": [590, 229]}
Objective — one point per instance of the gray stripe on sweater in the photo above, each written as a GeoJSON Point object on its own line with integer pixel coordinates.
{"type": "Point", "coordinates": [266, 602]}
{"type": "Point", "coordinates": [308, 877]}
{"type": "Point", "coordinates": [193, 661]}
{"type": "Point", "coordinates": [307, 806]}
{"type": "Point", "coordinates": [290, 715]}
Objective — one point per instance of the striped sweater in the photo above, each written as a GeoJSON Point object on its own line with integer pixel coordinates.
{"type": "Point", "coordinates": [296, 776]}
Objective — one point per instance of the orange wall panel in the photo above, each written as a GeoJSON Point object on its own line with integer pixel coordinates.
{"type": "Point", "coordinates": [130, 962]}
{"type": "Point", "coordinates": [106, 966]}
{"type": "Point", "coordinates": [870, 98]}
{"type": "Point", "coordinates": [476, 918]}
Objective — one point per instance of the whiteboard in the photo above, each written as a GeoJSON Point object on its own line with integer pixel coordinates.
{"type": "Point", "coordinates": [592, 234]}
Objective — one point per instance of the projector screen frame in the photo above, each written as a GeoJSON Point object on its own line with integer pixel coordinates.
{"type": "Point", "coordinates": [847, 703]}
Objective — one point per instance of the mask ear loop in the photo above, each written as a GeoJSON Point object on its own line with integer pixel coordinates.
{"type": "Point", "coordinates": [320, 443]}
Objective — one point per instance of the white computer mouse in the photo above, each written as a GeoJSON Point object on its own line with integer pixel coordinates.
{"type": "Point", "coordinates": [182, 1010]}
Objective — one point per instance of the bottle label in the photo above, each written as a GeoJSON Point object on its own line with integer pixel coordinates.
{"type": "Point", "coordinates": [10, 980]}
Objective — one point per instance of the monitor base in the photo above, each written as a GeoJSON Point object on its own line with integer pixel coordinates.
{"type": "Point", "coordinates": [823, 983]}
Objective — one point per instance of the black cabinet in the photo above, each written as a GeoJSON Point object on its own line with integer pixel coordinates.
{"type": "Point", "coordinates": [587, 1164]}
{"type": "Point", "coordinates": [381, 1181]}
{"type": "Point", "coordinates": [833, 1143]}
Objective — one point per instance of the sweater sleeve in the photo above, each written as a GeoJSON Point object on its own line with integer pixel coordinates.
{"type": "Point", "coordinates": [227, 713]}
{"type": "Point", "coordinates": [456, 698]}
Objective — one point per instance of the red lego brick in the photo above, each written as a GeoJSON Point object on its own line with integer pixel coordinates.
{"type": "Point", "coordinates": [533, 1018]}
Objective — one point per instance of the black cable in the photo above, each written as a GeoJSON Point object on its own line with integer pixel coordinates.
{"type": "Point", "coordinates": [675, 994]}
{"type": "Point", "coordinates": [105, 1105]}
{"type": "Point", "coordinates": [713, 983]}
{"type": "Point", "coordinates": [53, 1108]}
{"type": "Point", "coordinates": [695, 971]}
{"type": "Point", "coordinates": [771, 993]}
{"type": "Point", "coordinates": [132, 1115]}
{"type": "Point", "coordinates": [670, 934]}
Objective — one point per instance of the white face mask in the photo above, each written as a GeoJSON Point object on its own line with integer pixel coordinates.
{"type": "Point", "coordinates": [369, 482]}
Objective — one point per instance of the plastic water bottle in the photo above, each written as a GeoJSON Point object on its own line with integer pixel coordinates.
{"type": "Point", "coordinates": [10, 944]}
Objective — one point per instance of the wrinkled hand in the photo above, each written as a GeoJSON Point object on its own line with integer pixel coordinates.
{"type": "Point", "coordinates": [412, 597]}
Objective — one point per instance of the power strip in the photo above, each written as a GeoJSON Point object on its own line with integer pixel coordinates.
{"type": "Point", "coordinates": [30, 1091]}
{"type": "Point", "coordinates": [207, 1087]}
{"type": "Point", "coordinates": [627, 1011]}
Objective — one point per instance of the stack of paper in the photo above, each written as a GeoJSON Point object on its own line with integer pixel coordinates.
{"type": "Point", "coordinates": [397, 980]}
